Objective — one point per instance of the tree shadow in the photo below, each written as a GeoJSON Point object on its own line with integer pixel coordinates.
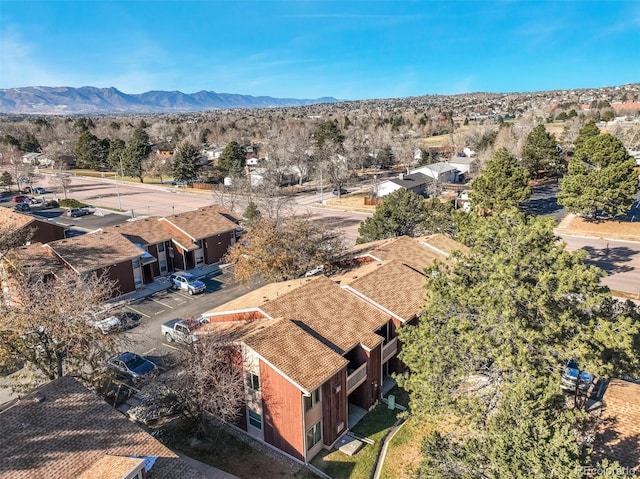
{"type": "Point", "coordinates": [609, 259]}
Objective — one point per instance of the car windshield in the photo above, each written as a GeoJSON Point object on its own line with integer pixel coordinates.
{"type": "Point", "coordinates": [190, 279]}
{"type": "Point", "coordinates": [134, 362]}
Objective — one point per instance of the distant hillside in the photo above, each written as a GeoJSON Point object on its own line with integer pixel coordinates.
{"type": "Point", "coordinates": [84, 100]}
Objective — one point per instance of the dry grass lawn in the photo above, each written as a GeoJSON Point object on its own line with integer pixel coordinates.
{"type": "Point", "coordinates": [351, 202]}
{"type": "Point", "coordinates": [622, 230]}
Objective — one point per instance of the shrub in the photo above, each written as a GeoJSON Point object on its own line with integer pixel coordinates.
{"type": "Point", "coordinates": [71, 203]}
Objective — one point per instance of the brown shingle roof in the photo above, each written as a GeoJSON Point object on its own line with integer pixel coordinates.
{"type": "Point", "coordinates": [283, 343]}
{"type": "Point", "coordinates": [62, 430]}
{"type": "Point", "coordinates": [13, 219]}
{"type": "Point", "coordinates": [257, 297]}
{"type": "Point", "coordinates": [393, 285]}
{"type": "Point", "coordinates": [618, 438]}
{"type": "Point", "coordinates": [144, 231]}
{"type": "Point", "coordinates": [35, 260]}
{"type": "Point", "coordinates": [95, 250]}
{"type": "Point", "coordinates": [204, 222]}
{"type": "Point", "coordinates": [408, 250]}
{"type": "Point", "coordinates": [333, 315]}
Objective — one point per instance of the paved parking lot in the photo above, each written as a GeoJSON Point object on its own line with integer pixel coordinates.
{"type": "Point", "coordinates": [153, 310]}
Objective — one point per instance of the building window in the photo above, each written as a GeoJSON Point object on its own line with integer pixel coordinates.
{"type": "Point", "coordinates": [160, 247]}
{"type": "Point", "coordinates": [198, 243]}
{"type": "Point", "coordinates": [163, 266]}
{"type": "Point", "coordinates": [314, 435]}
{"type": "Point", "coordinates": [253, 381]}
{"type": "Point", "coordinates": [311, 401]}
{"type": "Point", "coordinates": [255, 419]}
{"type": "Point", "coordinates": [135, 263]}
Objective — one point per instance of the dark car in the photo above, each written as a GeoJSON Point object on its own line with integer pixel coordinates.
{"type": "Point", "coordinates": [75, 212]}
{"type": "Point", "coordinates": [131, 365]}
{"type": "Point", "coordinates": [570, 378]}
{"type": "Point", "coordinates": [22, 207]}
{"type": "Point", "coordinates": [340, 191]}
{"type": "Point", "coordinates": [19, 199]}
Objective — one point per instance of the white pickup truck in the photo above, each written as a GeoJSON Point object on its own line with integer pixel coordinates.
{"type": "Point", "coordinates": [182, 330]}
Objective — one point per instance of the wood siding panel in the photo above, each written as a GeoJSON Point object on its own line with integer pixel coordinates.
{"type": "Point", "coordinates": [334, 407]}
{"type": "Point", "coordinates": [215, 247]}
{"type": "Point", "coordinates": [282, 412]}
{"type": "Point", "coordinates": [45, 232]}
{"type": "Point", "coordinates": [122, 275]}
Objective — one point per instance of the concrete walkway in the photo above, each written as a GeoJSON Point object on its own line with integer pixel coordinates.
{"type": "Point", "coordinates": [206, 470]}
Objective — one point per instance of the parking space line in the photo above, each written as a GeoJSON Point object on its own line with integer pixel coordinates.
{"type": "Point", "coordinates": [160, 302]}
{"type": "Point", "coordinates": [146, 353]}
{"type": "Point", "coordinates": [137, 312]}
{"type": "Point", "coordinates": [169, 346]}
{"type": "Point", "coordinates": [159, 312]}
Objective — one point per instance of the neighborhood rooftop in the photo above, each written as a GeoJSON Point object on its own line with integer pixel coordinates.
{"type": "Point", "coordinates": [92, 251]}
{"type": "Point", "coordinates": [64, 430]}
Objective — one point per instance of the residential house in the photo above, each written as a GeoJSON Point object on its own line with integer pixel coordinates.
{"type": "Point", "coordinates": [33, 262]}
{"type": "Point", "coordinates": [151, 235]}
{"type": "Point", "coordinates": [103, 252]}
{"type": "Point", "coordinates": [42, 231]}
{"type": "Point", "coordinates": [618, 436]}
{"type": "Point", "coordinates": [466, 167]}
{"type": "Point", "coordinates": [441, 172]}
{"type": "Point", "coordinates": [202, 236]}
{"type": "Point", "coordinates": [417, 182]}
{"type": "Point", "coordinates": [62, 429]}
{"type": "Point", "coordinates": [317, 350]}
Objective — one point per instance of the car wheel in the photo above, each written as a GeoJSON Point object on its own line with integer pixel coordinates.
{"type": "Point", "coordinates": [168, 337]}
{"type": "Point", "coordinates": [190, 292]}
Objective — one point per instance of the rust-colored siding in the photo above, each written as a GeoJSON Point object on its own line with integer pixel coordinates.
{"type": "Point", "coordinates": [282, 412]}
{"type": "Point", "coordinates": [45, 232]}
{"type": "Point", "coordinates": [122, 276]}
{"type": "Point", "coordinates": [334, 407]}
{"type": "Point", "coordinates": [369, 392]}
{"type": "Point", "coordinates": [215, 247]}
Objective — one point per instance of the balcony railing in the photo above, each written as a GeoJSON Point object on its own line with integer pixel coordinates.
{"type": "Point", "coordinates": [356, 378]}
{"type": "Point", "coordinates": [389, 349]}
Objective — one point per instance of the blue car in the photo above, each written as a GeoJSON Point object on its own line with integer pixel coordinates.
{"type": "Point", "coordinates": [131, 365]}
{"type": "Point", "coordinates": [570, 378]}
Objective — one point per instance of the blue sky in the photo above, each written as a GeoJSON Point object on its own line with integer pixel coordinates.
{"type": "Point", "coordinates": [347, 49]}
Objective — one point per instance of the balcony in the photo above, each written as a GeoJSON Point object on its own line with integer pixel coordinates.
{"type": "Point", "coordinates": [389, 350]}
{"type": "Point", "coordinates": [356, 378]}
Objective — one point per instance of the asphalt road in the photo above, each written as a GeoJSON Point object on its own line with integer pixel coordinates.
{"type": "Point", "coordinates": [620, 260]}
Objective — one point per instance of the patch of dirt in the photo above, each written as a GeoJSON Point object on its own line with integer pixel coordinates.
{"type": "Point", "coordinates": [233, 452]}
{"type": "Point", "coordinates": [623, 230]}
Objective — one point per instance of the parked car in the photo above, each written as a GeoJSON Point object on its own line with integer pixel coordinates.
{"type": "Point", "coordinates": [314, 271]}
{"type": "Point", "coordinates": [19, 199]}
{"type": "Point", "coordinates": [570, 377]}
{"type": "Point", "coordinates": [39, 190]}
{"type": "Point", "coordinates": [133, 366]}
{"type": "Point", "coordinates": [109, 325]}
{"type": "Point", "coordinates": [51, 204]}
{"type": "Point", "coordinates": [341, 191]}
{"type": "Point", "coordinates": [22, 207]}
{"type": "Point", "coordinates": [75, 212]}
{"type": "Point", "coordinates": [187, 282]}
{"type": "Point", "coordinates": [182, 330]}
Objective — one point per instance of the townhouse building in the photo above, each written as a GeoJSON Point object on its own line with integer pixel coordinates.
{"type": "Point", "coordinates": [318, 351]}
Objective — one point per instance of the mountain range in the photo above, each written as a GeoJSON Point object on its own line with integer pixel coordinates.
{"type": "Point", "coordinates": [92, 100]}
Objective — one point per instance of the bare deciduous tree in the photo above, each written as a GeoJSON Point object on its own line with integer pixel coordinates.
{"type": "Point", "coordinates": [45, 324]}
{"type": "Point", "coordinates": [210, 379]}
